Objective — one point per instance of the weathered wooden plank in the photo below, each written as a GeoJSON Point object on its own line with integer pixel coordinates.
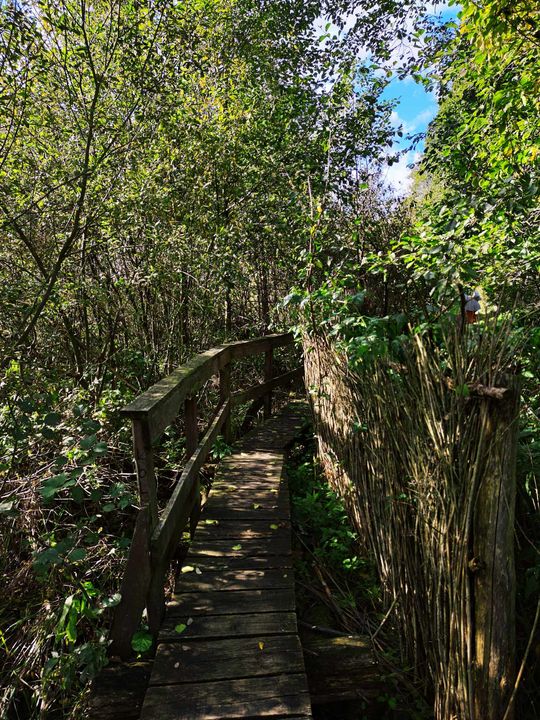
{"type": "Point", "coordinates": [256, 391]}
{"type": "Point", "coordinates": [202, 580]}
{"type": "Point", "coordinates": [259, 510]}
{"type": "Point", "coordinates": [237, 560]}
{"type": "Point", "coordinates": [225, 626]}
{"type": "Point", "coordinates": [248, 491]}
{"type": "Point", "coordinates": [214, 547]}
{"type": "Point", "coordinates": [274, 497]}
{"type": "Point", "coordinates": [243, 530]}
{"type": "Point", "coordinates": [221, 602]}
{"type": "Point", "coordinates": [282, 697]}
{"type": "Point", "coordinates": [200, 660]}
{"type": "Point", "coordinates": [184, 496]}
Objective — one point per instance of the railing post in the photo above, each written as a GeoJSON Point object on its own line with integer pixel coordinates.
{"type": "Point", "coordinates": [144, 463]}
{"type": "Point", "coordinates": [494, 583]}
{"type": "Point", "coordinates": [138, 574]}
{"type": "Point", "coordinates": [224, 396]}
{"type": "Point", "coordinates": [192, 429]}
{"type": "Point", "coordinates": [268, 372]}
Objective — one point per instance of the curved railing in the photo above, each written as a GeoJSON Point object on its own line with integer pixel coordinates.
{"type": "Point", "coordinates": [156, 537]}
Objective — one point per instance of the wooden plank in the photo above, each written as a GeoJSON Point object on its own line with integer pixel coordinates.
{"type": "Point", "coordinates": [269, 498]}
{"type": "Point", "coordinates": [256, 391]}
{"type": "Point", "coordinates": [202, 580]}
{"type": "Point", "coordinates": [260, 510]}
{"type": "Point", "coordinates": [281, 696]}
{"type": "Point", "coordinates": [243, 530]}
{"type": "Point", "coordinates": [219, 602]}
{"type": "Point", "coordinates": [224, 626]}
{"type": "Point", "coordinates": [493, 564]}
{"type": "Point", "coordinates": [237, 561]}
{"type": "Point", "coordinates": [184, 495]}
{"type": "Point", "coordinates": [214, 547]}
{"type": "Point", "coordinates": [200, 660]}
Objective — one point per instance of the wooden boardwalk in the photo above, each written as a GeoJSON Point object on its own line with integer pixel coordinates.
{"type": "Point", "coordinates": [228, 647]}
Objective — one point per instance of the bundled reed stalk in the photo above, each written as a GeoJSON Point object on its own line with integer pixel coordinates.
{"type": "Point", "coordinates": [423, 452]}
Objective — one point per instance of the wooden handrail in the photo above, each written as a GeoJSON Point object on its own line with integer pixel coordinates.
{"type": "Point", "coordinates": [156, 538]}
{"type": "Point", "coordinates": [160, 404]}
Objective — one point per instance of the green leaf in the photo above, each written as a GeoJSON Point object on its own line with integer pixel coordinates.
{"type": "Point", "coordinates": [111, 601]}
{"type": "Point", "coordinates": [77, 555]}
{"type": "Point", "coordinates": [236, 547]}
{"type": "Point", "coordinates": [180, 628]}
{"type": "Point", "coordinates": [54, 484]}
{"type": "Point", "coordinates": [142, 641]}
{"type": "Point", "coordinates": [52, 419]}
{"type": "Point", "coordinates": [100, 448]}
{"type": "Point", "coordinates": [88, 442]}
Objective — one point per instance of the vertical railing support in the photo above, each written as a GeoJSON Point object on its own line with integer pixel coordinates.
{"type": "Point", "coordinates": [224, 395]}
{"type": "Point", "coordinates": [144, 463]}
{"type": "Point", "coordinates": [192, 440]}
{"type": "Point", "coordinates": [192, 429]}
{"type": "Point", "coordinates": [268, 373]}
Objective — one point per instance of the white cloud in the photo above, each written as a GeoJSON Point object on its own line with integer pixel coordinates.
{"type": "Point", "coordinates": [398, 176]}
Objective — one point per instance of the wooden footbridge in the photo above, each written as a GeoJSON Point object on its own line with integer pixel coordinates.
{"type": "Point", "coordinates": [227, 641]}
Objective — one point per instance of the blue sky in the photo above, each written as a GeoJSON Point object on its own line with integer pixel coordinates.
{"type": "Point", "coordinates": [414, 110]}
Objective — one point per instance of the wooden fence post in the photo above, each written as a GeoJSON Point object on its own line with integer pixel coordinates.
{"type": "Point", "coordinates": [494, 578]}
{"type": "Point", "coordinates": [268, 372]}
{"type": "Point", "coordinates": [224, 396]}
